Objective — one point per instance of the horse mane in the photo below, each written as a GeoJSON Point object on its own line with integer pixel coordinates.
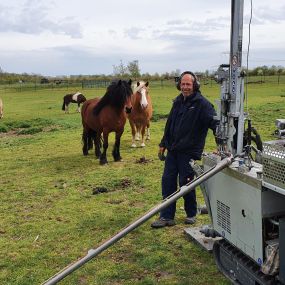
{"type": "Point", "coordinates": [116, 95]}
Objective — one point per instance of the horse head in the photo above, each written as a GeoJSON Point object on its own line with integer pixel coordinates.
{"type": "Point", "coordinates": [142, 90]}
{"type": "Point", "coordinates": [127, 95]}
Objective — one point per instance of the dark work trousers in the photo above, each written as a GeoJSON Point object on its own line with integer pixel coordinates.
{"type": "Point", "coordinates": [177, 164]}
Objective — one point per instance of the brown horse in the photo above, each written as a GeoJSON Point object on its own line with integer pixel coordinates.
{"type": "Point", "coordinates": [141, 114]}
{"type": "Point", "coordinates": [1, 108]}
{"type": "Point", "coordinates": [73, 98]}
{"type": "Point", "coordinates": [106, 115]}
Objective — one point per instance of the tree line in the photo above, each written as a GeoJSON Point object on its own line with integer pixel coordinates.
{"type": "Point", "coordinates": [121, 70]}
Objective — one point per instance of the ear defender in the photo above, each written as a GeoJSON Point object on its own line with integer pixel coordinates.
{"type": "Point", "coordinates": [196, 84]}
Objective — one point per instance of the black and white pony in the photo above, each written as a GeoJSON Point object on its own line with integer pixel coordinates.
{"type": "Point", "coordinates": [73, 98]}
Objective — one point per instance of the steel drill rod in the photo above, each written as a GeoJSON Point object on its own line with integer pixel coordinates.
{"type": "Point", "coordinates": [169, 200]}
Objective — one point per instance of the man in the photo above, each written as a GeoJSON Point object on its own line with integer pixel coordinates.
{"type": "Point", "coordinates": [184, 138]}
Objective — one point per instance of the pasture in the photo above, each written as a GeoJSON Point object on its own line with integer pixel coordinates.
{"type": "Point", "coordinates": [52, 214]}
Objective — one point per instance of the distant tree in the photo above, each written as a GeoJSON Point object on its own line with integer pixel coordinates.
{"type": "Point", "coordinates": [133, 68]}
{"type": "Point", "coordinates": [166, 75]}
{"type": "Point", "coordinates": [279, 72]}
{"type": "Point", "coordinates": [120, 70]}
{"type": "Point", "coordinates": [44, 80]}
{"type": "Point", "coordinates": [146, 76]}
{"type": "Point", "coordinates": [175, 73]}
{"type": "Point", "coordinates": [156, 76]}
{"type": "Point", "coordinates": [123, 71]}
{"type": "Point", "coordinates": [272, 70]}
{"type": "Point", "coordinates": [265, 71]}
{"type": "Point", "coordinates": [260, 73]}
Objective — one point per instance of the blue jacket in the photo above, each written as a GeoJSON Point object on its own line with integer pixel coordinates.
{"type": "Point", "coordinates": [187, 125]}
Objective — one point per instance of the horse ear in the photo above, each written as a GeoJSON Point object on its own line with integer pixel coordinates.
{"type": "Point", "coordinates": [138, 84]}
{"type": "Point", "coordinates": [130, 82]}
{"type": "Point", "coordinates": [119, 82]}
{"type": "Point", "coordinates": [146, 84]}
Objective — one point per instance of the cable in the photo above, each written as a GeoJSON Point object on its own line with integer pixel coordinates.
{"type": "Point", "coordinates": [248, 45]}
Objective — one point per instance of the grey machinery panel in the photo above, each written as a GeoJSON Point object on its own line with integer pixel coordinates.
{"type": "Point", "coordinates": [236, 200]}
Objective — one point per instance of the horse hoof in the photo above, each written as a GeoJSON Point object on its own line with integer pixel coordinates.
{"type": "Point", "coordinates": [133, 145]}
{"type": "Point", "coordinates": [103, 160]}
{"type": "Point", "coordinates": [142, 145]}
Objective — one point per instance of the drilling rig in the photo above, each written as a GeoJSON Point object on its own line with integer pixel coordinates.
{"type": "Point", "coordinates": [243, 184]}
{"type": "Point", "coordinates": [246, 200]}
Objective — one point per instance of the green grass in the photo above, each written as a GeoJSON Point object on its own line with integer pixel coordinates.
{"type": "Point", "coordinates": [49, 216]}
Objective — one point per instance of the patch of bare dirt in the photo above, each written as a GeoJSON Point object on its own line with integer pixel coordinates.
{"type": "Point", "coordinates": [99, 190]}
{"type": "Point", "coordinates": [115, 202]}
{"type": "Point", "coordinates": [143, 160]}
{"type": "Point", "coordinates": [9, 134]}
{"type": "Point", "coordinates": [124, 183]}
{"type": "Point", "coordinates": [17, 132]}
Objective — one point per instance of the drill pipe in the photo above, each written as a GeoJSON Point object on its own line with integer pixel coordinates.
{"type": "Point", "coordinates": [166, 202]}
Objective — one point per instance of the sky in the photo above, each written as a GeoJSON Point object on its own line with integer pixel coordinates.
{"type": "Point", "coordinates": [68, 37]}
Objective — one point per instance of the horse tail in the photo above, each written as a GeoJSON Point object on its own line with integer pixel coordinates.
{"type": "Point", "coordinates": [91, 137]}
{"type": "Point", "coordinates": [85, 142]}
{"type": "Point", "coordinates": [87, 139]}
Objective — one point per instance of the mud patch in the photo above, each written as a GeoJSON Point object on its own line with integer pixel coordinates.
{"type": "Point", "coordinates": [124, 183]}
{"type": "Point", "coordinates": [162, 275]}
{"type": "Point", "coordinates": [137, 204]}
{"type": "Point", "coordinates": [143, 160]}
{"type": "Point", "coordinates": [99, 190]}
{"type": "Point", "coordinates": [26, 132]}
{"type": "Point", "coordinates": [29, 127]}
{"type": "Point", "coordinates": [114, 202]}
{"type": "Point", "coordinates": [118, 185]}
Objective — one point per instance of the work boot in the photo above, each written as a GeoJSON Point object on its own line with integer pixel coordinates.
{"type": "Point", "coordinates": [162, 222]}
{"type": "Point", "coordinates": [190, 220]}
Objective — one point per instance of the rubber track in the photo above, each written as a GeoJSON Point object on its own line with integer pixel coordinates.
{"type": "Point", "coordinates": [239, 268]}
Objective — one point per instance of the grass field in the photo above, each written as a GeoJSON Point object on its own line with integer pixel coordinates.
{"type": "Point", "coordinates": [50, 216]}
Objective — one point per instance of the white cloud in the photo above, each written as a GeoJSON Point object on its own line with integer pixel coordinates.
{"type": "Point", "coordinates": [87, 36]}
{"type": "Point", "coordinates": [32, 17]}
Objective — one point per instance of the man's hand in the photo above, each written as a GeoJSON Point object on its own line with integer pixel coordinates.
{"type": "Point", "coordinates": [161, 155]}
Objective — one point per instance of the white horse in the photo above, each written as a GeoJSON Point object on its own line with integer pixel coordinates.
{"type": "Point", "coordinates": [1, 108]}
